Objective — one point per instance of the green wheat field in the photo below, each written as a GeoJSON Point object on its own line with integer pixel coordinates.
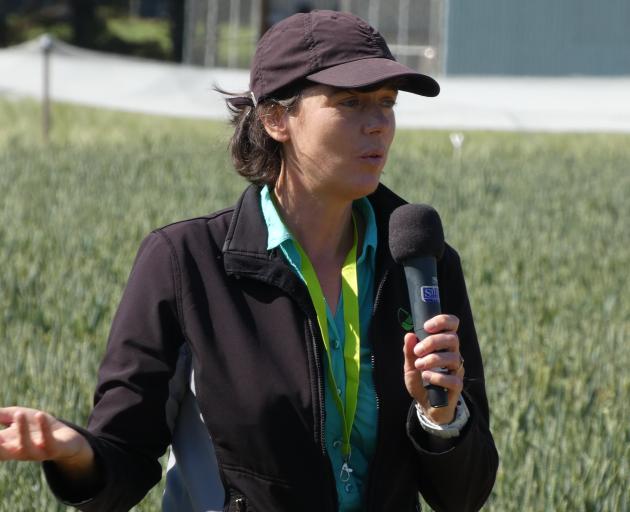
{"type": "Point", "coordinates": [542, 223]}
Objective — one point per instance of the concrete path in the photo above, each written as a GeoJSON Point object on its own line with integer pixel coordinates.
{"type": "Point", "coordinates": [575, 104]}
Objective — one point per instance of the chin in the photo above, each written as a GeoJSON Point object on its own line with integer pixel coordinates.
{"type": "Point", "coordinates": [372, 188]}
{"type": "Point", "coordinates": [365, 188]}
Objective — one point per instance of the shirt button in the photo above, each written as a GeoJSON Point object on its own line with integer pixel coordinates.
{"type": "Point", "coordinates": [348, 488]}
{"type": "Point", "coordinates": [339, 391]}
{"type": "Point", "coordinates": [336, 344]}
{"type": "Point", "coordinates": [336, 443]}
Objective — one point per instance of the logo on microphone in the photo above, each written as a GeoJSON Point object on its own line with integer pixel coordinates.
{"type": "Point", "coordinates": [405, 319]}
{"type": "Point", "coordinates": [430, 294]}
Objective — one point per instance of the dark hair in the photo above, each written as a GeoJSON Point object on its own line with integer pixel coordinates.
{"type": "Point", "coordinates": [255, 155]}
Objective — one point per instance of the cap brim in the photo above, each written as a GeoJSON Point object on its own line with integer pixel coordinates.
{"type": "Point", "coordinates": [366, 72]}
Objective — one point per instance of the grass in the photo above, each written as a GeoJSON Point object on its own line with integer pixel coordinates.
{"type": "Point", "coordinates": [541, 223]}
{"type": "Point", "coordinates": [142, 37]}
{"type": "Point", "coordinates": [140, 30]}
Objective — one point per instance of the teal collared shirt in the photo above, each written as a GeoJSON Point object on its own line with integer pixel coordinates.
{"type": "Point", "coordinates": [363, 438]}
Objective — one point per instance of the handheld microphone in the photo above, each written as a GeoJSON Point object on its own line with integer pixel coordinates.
{"type": "Point", "coordinates": [416, 241]}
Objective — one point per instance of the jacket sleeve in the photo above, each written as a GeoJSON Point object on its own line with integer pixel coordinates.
{"type": "Point", "coordinates": [458, 475]}
{"type": "Point", "coordinates": [128, 428]}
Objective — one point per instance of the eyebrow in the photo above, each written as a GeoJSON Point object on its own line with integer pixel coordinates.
{"type": "Point", "coordinates": [365, 89]}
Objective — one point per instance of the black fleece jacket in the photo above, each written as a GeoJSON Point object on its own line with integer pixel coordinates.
{"type": "Point", "coordinates": [257, 359]}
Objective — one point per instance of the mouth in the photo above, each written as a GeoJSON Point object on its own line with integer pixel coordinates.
{"type": "Point", "coordinates": [375, 155]}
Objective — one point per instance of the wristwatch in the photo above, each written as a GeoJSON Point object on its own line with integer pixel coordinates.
{"type": "Point", "coordinates": [448, 430]}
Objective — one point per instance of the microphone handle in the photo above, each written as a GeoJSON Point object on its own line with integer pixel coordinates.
{"type": "Point", "coordinates": [424, 298]}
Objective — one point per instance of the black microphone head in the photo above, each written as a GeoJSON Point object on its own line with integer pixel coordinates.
{"type": "Point", "coordinates": [415, 230]}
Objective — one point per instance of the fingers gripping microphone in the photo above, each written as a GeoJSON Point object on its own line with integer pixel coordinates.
{"type": "Point", "coordinates": [416, 241]}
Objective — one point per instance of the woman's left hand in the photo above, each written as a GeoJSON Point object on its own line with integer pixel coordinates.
{"type": "Point", "coordinates": [438, 350]}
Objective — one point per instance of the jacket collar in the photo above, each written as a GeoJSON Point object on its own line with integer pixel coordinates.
{"type": "Point", "coordinates": [245, 251]}
{"type": "Point", "coordinates": [247, 234]}
{"type": "Point", "coordinates": [245, 248]}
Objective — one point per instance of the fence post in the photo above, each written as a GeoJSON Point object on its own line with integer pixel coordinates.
{"type": "Point", "coordinates": [212, 29]}
{"type": "Point", "coordinates": [46, 45]}
{"type": "Point", "coordinates": [189, 31]}
{"type": "Point", "coordinates": [256, 20]}
{"type": "Point", "coordinates": [403, 27]}
{"type": "Point", "coordinates": [234, 37]}
{"type": "Point", "coordinates": [373, 12]}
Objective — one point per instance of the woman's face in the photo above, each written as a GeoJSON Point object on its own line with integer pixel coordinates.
{"type": "Point", "coordinates": [338, 140]}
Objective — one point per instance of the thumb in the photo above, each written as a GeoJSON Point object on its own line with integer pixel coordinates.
{"type": "Point", "coordinates": [409, 343]}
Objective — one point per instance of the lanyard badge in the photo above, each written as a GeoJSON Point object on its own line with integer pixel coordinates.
{"type": "Point", "coordinates": [351, 352]}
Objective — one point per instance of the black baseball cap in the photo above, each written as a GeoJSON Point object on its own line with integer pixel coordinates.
{"type": "Point", "coordinates": [330, 48]}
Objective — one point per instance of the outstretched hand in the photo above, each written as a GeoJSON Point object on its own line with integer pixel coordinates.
{"type": "Point", "coordinates": [34, 435]}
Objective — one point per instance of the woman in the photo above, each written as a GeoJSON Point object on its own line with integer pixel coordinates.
{"type": "Point", "coordinates": [288, 302]}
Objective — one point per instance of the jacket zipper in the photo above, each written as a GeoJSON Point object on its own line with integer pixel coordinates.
{"type": "Point", "coordinates": [241, 506]}
{"type": "Point", "coordinates": [320, 387]}
{"type": "Point", "coordinates": [378, 399]}
{"type": "Point", "coordinates": [377, 297]}
{"type": "Point", "coordinates": [320, 390]}
{"type": "Point", "coordinates": [322, 409]}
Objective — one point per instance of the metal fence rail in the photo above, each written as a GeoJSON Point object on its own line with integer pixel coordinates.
{"type": "Point", "coordinates": [223, 33]}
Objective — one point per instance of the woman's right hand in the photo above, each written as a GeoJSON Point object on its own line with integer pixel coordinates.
{"type": "Point", "coordinates": [37, 436]}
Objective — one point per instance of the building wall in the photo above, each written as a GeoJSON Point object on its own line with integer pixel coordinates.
{"type": "Point", "coordinates": [538, 37]}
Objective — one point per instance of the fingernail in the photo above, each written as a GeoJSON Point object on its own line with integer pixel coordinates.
{"type": "Point", "coordinates": [429, 325]}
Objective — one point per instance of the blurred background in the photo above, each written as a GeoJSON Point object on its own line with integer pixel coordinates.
{"type": "Point", "coordinates": [445, 37]}
{"type": "Point", "coordinates": [553, 66]}
{"type": "Point", "coordinates": [109, 128]}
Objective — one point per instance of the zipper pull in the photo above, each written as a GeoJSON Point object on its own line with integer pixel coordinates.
{"type": "Point", "coordinates": [344, 476]}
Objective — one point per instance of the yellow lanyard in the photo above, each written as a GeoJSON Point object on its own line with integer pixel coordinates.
{"type": "Point", "coordinates": [351, 351]}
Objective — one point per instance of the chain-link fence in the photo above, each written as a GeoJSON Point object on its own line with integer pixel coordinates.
{"type": "Point", "coordinates": [223, 33]}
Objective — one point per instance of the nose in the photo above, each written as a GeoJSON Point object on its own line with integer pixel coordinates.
{"type": "Point", "coordinates": [378, 120]}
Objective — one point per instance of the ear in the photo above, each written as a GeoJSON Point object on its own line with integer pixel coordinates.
{"type": "Point", "coordinates": [275, 120]}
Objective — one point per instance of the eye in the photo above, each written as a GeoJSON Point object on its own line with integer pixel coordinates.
{"type": "Point", "coordinates": [349, 101]}
{"type": "Point", "coordinates": [388, 102]}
